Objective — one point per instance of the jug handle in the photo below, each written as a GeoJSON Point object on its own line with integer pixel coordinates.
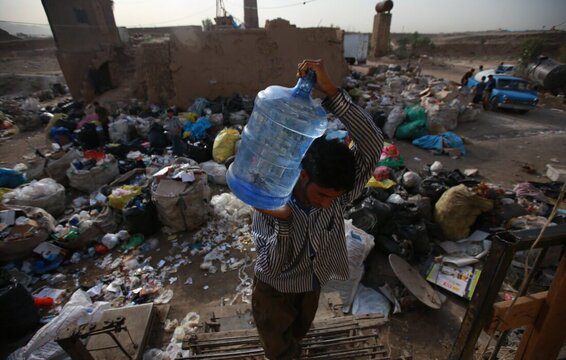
{"type": "Point", "coordinates": [305, 84]}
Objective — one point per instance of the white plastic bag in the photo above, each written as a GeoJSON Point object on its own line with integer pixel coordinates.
{"type": "Point", "coordinates": [228, 206]}
{"type": "Point", "coordinates": [30, 104]}
{"type": "Point", "coordinates": [394, 119]}
{"type": "Point", "coordinates": [46, 194]}
{"type": "Point", "coordinates": [215, 171]}
{"type": "Point", "coordinates": [359, 244]}
{"type": "Point", "coordinates": [369, 301]}
{"type": "Point", "coordinates": [79, 310]}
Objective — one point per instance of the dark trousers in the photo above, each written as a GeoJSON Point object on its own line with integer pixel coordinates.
{"type": "Point", "coordinates": [282, 319]}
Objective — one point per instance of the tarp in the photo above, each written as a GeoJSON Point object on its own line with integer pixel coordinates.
{"type": "Point", "coordinates": [439, 142]}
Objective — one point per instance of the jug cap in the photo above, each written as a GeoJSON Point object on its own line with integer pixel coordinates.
{"type": "Point", "coordinates": [305, 84]}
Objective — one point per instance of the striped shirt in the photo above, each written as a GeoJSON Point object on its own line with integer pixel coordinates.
{"type": "Point", "coordinates": [309, 249]}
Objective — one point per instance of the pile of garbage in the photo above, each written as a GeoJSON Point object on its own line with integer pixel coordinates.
{"type": "Point", "coordinates": [438, 219]}
{"type": "Point", "coordinates": [23, 114]}
{"type": "Point", "coordinates": [121, 205]}
{"type": "Point", "coordinates": [421, 109]}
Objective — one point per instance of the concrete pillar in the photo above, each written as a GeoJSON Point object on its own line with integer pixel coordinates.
{"type": "Point", "coordinates": [381, 34]}
{"type": "Point", "coordinates": [250, 14]}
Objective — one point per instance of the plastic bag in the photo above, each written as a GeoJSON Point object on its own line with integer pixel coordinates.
{"type": "Point", "coordinates": [123, 129]}
{"type": "Point", "coordinates": [359, 244]}
{"type": "Point", "coordinates": [30, 104]}
{"type": "Point", "coordinates": [369, 301]}
{"type": "Point", "coordinates": [439, 142]}
{"type": "Point", "coordinates": [17, 311]}
{"type": "Point", "coordinates": [196, 131]}
{"type": "Point", "coordinates": [182, 207]}
{"type": "Point", "coordinates": [390, 157]}
{"type": "Point", "coordinates": [395, 118]}
{"type": "Point", "coordinates": [46, 194]}
{"type": "Point", "coordinates": [216, 172]}
{"type": "Point", "coordinates": [122, 195]}
{"type": "Point", "coordinates": [457, 210]}
{"type": "Point", "coordinates": [90, 180]}
{"type": "Point", "coordinates": [79, 310]}
{"type": "Point", "coordinates": [141, 217]}
{"type": "Point", "coordinates": [10, 178]}
{"type": "Point", "coordinates": [411, 179]}
{"type": "Point", "coordinates": [198, 106]}
{"type": "Point", "coordinates": [225, 145]}
{"type": "Point", "coordinates": [228, 206]}
{"type": "Point", "coordinates": [57, 166]}
{"type": "Point", "coordinates": [155, 354]}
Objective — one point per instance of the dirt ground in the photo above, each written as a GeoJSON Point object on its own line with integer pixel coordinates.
{"type": "Point", "coordinates": [499, 144]}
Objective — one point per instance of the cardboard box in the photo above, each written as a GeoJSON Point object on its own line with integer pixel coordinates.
{"type": "Point", "coordinates": [168, 187]}
{"type": "Point", "coordinates": [556, 172]}
{"type": "Point", "coordinates": [8, 217]}
{"type": "Point", "coordinates": [461, 281]}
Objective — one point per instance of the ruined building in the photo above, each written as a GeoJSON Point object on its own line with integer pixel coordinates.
{"type": "Point", "coordinates": [174, 65]}
{"type": "Point", "coordinates": [90, 51]}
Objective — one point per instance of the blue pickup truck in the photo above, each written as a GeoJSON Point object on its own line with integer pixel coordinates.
{"type": "Point", "coordinates": [510, 92]}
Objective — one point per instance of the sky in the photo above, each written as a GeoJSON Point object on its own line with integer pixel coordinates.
{"type": "Point", "coordinates": [424, 16]}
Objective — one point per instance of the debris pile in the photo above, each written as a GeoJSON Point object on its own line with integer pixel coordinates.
{"type": "Point", "coordinates": [121, 211]}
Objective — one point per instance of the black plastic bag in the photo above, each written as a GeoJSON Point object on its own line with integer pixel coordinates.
{"type": "Point", "coordinates": [140, 216]}
{"type": "Point", "coordinates": [17, 311]}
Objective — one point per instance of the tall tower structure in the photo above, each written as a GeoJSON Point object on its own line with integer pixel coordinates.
{"type": "Point", "coordinates": [380, 36]}
{"type": "Point", "coordinates": [250, 14]}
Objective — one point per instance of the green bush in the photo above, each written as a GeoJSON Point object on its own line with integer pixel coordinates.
{"type": "Point", "coordinates": [532, 48]}
{"type": "Point", "coordinates": [412, 45]}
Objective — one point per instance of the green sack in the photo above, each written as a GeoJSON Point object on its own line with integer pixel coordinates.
{"type": "Point", "coordinates": [411, 130]}
{"type": "Point", "coordinates": [391, 162]}
{"type": "Point", "coordinates": [414, 113]}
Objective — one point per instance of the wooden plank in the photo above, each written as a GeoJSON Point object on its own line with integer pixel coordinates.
{"type": "Point", "coordinates": [138, 321]}
{"type": "Point", "coordinates": [546, 336]}
{"type": "Point", "coordinates": [524, 312]}
{"type": "Point", "coordinates": [479, 310]}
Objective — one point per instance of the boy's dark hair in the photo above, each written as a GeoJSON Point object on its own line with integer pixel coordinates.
{"type": "Point", "coordinates": [330, 164]}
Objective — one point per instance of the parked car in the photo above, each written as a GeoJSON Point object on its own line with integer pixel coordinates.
{"type": "Point", "coordinates": [505, 69]}
{"type": "Point", "coordinates": [510, 92]}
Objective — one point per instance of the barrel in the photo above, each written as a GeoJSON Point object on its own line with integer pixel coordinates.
{"type": "Point", "coordinates": [548, 73]}
{"type": "Point", "coordinates": [384, 6]}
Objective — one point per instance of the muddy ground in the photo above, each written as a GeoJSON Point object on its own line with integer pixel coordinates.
{"type": "Point", "coordinates": [499, 144]}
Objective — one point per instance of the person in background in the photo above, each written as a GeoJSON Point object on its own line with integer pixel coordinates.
{"type": "Point", "coordinates": [479, 88]}
{"type": "Point", "coordinates": [419, 67]}
{"type": "Point", "coordinates": [489, 86]}
{"type": "Point", "coordinates": [466, 76]}
{"type": "Point", "coordinates": [174, 128]}
{"type": "Point", "coordinates": [102, 113]}
{"type": "Point", "coordinates": [90, 116]}
{"type": "Point", "coordinates": [480, 69]}
{"type": "Point", "coordinates": [301, 246]}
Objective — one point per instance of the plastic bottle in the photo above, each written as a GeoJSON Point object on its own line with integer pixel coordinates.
{"type": "Point", "coordinates": [149, 245]}
{"type": "Point", "coordinates": [76, 258]}
{"type": "Point", "coordinates": [283, 125]}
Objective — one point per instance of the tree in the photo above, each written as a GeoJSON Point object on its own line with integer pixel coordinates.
{"type": "Point", "coordinates": [416, 42]}
{"type": "Point", "coordinates": [207, 24]}
{"type": "Point", "coordinates": [532, 48]}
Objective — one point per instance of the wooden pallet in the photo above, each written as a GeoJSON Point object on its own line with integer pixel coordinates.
{"type": "Point", "coordinates": [347, 337]}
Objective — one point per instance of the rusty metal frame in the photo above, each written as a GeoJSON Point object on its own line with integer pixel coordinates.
{"type": "Point", "coordinates": [70, 338]}
{"type": "Point", "coordinates": [341, 340]}
{"type": "Point", "coordinates": [503, 249]}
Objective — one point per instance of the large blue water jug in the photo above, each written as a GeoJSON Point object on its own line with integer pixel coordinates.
{"type": "Point", "coordinates": [284, 123]}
